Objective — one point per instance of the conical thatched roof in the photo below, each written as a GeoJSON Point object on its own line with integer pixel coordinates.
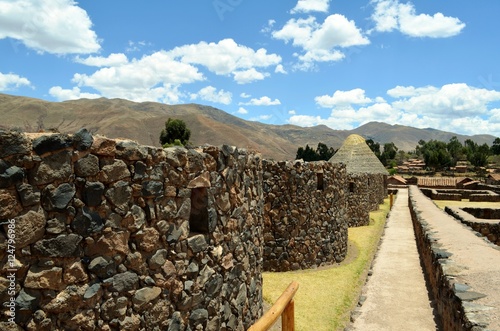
{"type": "Point", "coordinates": [358, 157]}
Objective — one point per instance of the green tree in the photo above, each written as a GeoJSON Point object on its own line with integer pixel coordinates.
{"type": "Point", "coordinates": [308, 154]}
{"type": "Point", "coordinates": [388, 154]}
{"type": "Point", "coordinates": [495, 148]}
{"type": "Point", "coordinates": [477, 155]}
{"type": "Point", "coordinates": [456, 150]}
{"type": "Point", "coordinates": [435, 154]}
{"type": "Point", "coordinates": [375, 147]}
{"type": "Point", "coordinates": [175, 132]}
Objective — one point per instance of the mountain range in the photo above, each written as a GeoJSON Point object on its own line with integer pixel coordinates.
{"type": "Point", "coordinates": [143, 122]}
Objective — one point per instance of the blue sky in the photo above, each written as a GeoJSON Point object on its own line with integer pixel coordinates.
{"type": "Point", "coordinates": [341, 63]}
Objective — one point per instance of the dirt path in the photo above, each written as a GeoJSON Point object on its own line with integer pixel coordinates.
{"type": "Point", "coordinates": [396, 294]}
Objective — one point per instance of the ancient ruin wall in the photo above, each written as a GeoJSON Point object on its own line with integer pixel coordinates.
{"type": "Point", "coordinates": [111, 235]}
{"type": "Point", "coordinates": [305, 214]}
{"type": "Point", "coordinates": [365, 193]}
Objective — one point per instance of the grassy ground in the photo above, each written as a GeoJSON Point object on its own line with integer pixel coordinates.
{"type": "Point", "coordinates": [327, 295]}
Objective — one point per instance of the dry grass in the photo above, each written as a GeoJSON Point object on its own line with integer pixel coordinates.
{"type": "Point", "coordinates": [465, 203]}
{"type": "Point", "coordinates": [326, 296]}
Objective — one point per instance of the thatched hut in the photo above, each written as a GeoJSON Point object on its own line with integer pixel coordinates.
{"type": "Point", "coordinates": [367, 179]}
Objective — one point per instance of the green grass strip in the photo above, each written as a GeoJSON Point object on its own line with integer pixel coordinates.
{"type": "Point", "coordinates": [327, 295]}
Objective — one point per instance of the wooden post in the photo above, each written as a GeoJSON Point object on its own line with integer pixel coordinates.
{"type": "Point", "coordinates": [391, 200]}
{"type": "Point", "coordinates": [283, 307]}
{"type": "Point", "coordinates": [288, 317]}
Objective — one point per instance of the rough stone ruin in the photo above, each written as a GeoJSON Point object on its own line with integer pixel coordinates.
{"type": "Point", "coordinates": [112, 235]}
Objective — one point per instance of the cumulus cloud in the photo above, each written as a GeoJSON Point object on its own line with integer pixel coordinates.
{"type": "Point", "coordinates": [339, 98]}
{"type": "Point", "coordinates": [211, 94]}
{"type": "Point", "coordinates": [306, 6]}
{"type": "Point", "coordinates": [112, 60]}
{"type": "Point", "coordinates": [452, 107]}
{"type": "Point", "coordinates": [12, 81]}
{"type": "Point", "coordinates": [53, 26]}
{"type": "Point", "coordinates": [70, 94]}
{"type": "Point", "coordinates": [392, 15]}
{"type": "Point", "coordinates": [249, 76]}
{"type": "Point", "coordinates": [242, 111]}
{"type": "Point", "coordinates": [154, 77]}
{"type": "Point", "coordinates": [321, 42]}
{"type": "Point", "coordinates": [225, 57]}
{"type": "Point", "coordinates": [263, 101]}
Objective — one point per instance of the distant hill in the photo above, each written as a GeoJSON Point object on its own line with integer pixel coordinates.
{"type": "Point", "coordinates": [143, 122]}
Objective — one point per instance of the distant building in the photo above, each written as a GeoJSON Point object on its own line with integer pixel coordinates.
{"type": "Point", "coordinates": [493, 179]}
{"type": "Point", "coordinates": [396, 182]}
{"type": "Point", "coordinates": [367, 179]}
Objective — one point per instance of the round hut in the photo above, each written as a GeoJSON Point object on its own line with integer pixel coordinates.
{"type": "Point", "coordinates": [367, 179]}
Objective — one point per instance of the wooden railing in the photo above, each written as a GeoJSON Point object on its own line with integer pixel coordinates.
{"type": "Point", "coordinates": [283, 307]}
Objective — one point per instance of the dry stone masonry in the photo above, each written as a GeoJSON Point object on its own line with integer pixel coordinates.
{"type": "Point", "coordinates": [112, 235]}
{"type": "Point", "coordinates": [305, 218]}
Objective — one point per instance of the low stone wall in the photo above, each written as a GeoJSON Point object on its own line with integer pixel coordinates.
{"type": "Point", "coordinates": [365, 193]}
{"type": "Point", "coordinates": [458, 195]}
{"type": "Point", "coordinates": [305, 214]}
{"type": "Point", "coordinates": [453, 300]}
{"type": "Point", "coordinates": [110, 235]}
{"type": "Point", "coordinates": [475, 219]}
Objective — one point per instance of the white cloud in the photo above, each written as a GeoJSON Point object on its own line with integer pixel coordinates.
{"type": "Point", "coordinates": [263, 101]}
{"type": "Point", "coordinates": [154, 77]}
{"type": "Point", "coordinates": [321, 42]}
{"type": "Point", "coordinates": [12, 81]}
{"type": "Point", "coordinates": [225, 57]}
{"type": "Point", "coordinates": [279, 69]}
{"type": "Point", "coordinates": [211, 94]}
{"type": "Point", "coordinates": [245, 95]}
{"type": "Point", "coordinates": [306, 6]}
{"type": "Point", "coordinates": [66, 94]}
{"type": "Point", "coordinates": [242, 111]}
{"type": "Point", "coordinates": [292, 112]}
{"type": "Point", "coordinates": [342, 98]}
{"type": "Point", "coordinates": [113, 60]}
{"type": "Point", "coordinates": [53, 26]}
{"type": "Point", "coordinates": [449, 101]}
{"type": "Point", "coordinates": [392, 15]}
{"type": "Point", "coordinates": [452, 107]}
{"type": "Point", "coordinates": [249, 76]}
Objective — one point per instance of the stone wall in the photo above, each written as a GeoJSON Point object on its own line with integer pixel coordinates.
{"type": "Point", "coordinates": [452, 296]}
{"type": "Point", "coordinates": [485, 221]}
{"type": "Point", "coordinates": [110, 235]}
{"type": "Point", "coordinates": [365, 193]}
{"type": "Point", "coordinates": [305, 214]}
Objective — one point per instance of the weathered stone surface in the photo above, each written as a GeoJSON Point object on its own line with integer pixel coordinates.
{"type": "Point", "coordinates": [87, 222]}
{"type": "Point", "coordinates": [70, 299]}
{"type": "Point", "coordinates": [145, 295]}
{"type": "Point", "coordinates": [131, 150]}
{"type": "Point", "coordinates": [11, 176]}
{"type": "Point", "coordinates": [197, 243]}
{"type": "Point", "coordinates": [75, 273]}
{"type": "Point", "coordinates": [12, 143]}
{"type": "Point", "coordinates": [158, 259]}
{"type": "Point", "coordinates": [55, 167]}
{"type": "Point", "coordinates": [83, 140]}
{"type": "Point", "coordinates": [114, 308]}
{"type": "Point", "coordinates": [28, 194]}
{"type": "Point", "coordinates": [126, 281]}
{"type": "Point", "coordinates": [51, 143]}
{"type": "Point", "coordinates": [135, 219]}
{"type": "Point", "coordinates": [9, 204]}
{"type": "Point", "coordinates": [102, 267]}
{"type": "Point", "coordinates": [92, 193]}
{"type": "Point", "coordinates": [120, 193]}
{"type": "Point", "coordinates": [61, 246]}
{"type": "Point", "coordinates": [30, 227]}
{"type": "Point", "coordinates": [199, 316]}
{"type": "Point", "coordinates": [56, 225]}
{"type": "Point", "coordinates": [202, 180]}
{"type": "Point", "coordinates": [109, 244]}
{"type": "Point", "coordinates": [148, 239]}
{"type": "Point", "coordinates": [87, 166]}
{"type": "Point", "coordinates": [28, 299]}
{"type": "Point", "coordinates": [114, 172]}
{"type": "Point", "coordinates": [57, 197]}
{"type": "Point", "coordinates": [152, 189]}
{"type": "Point", "coordinates": [44, 279]}
{"type": "Point", "coordinates": [103, 146]}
